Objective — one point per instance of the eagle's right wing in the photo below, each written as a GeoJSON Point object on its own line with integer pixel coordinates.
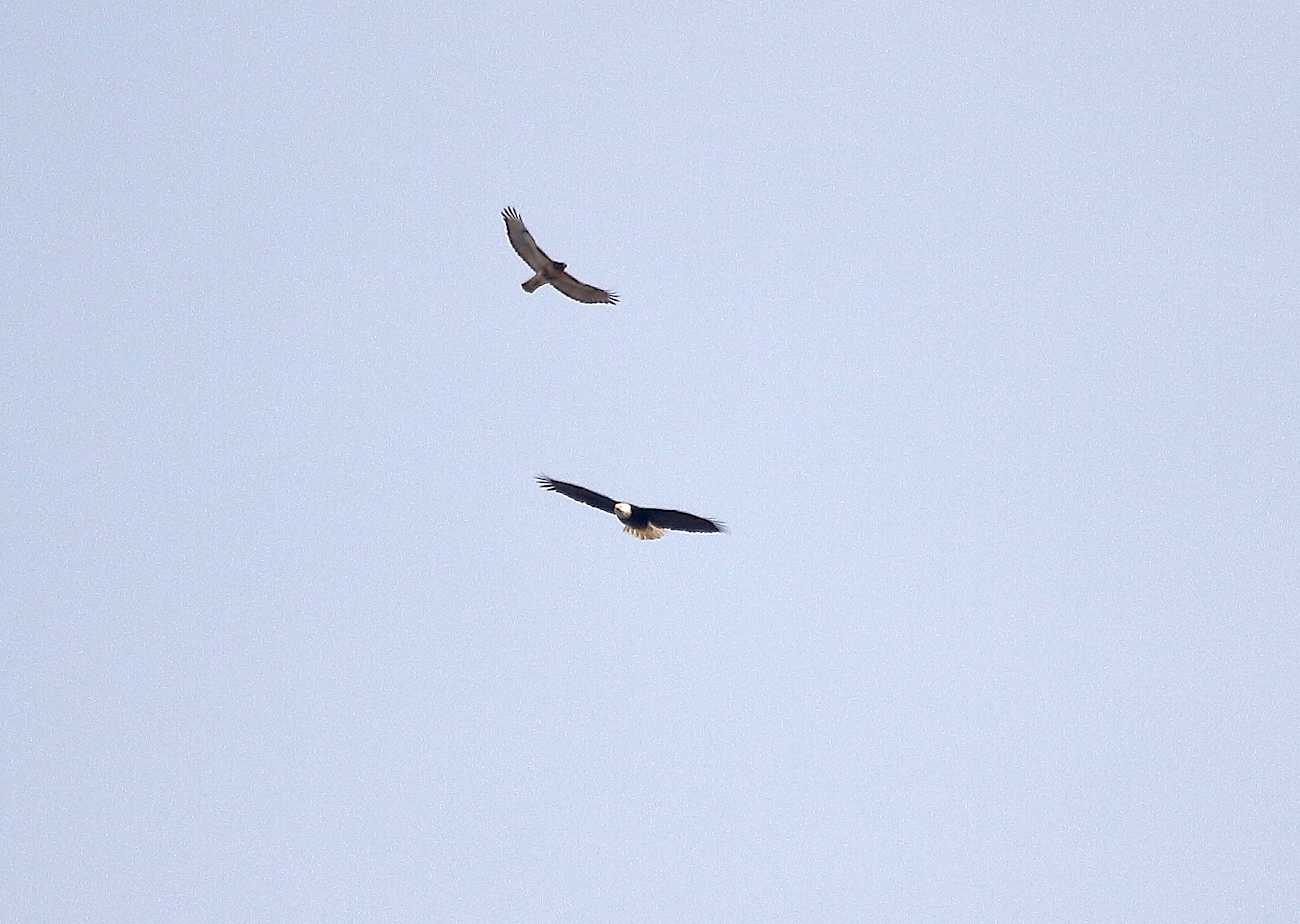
{"type": "Point", "coordinates": [686, 522]}
{"type": "Point", "coordinates": [583, 292]}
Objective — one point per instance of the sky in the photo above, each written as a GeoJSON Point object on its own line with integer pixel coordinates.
{"type": "Point", "coordinates": [975, 322]}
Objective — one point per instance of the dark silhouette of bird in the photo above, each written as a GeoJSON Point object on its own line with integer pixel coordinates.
{"type": "Point", "coordinates": [642, 522]}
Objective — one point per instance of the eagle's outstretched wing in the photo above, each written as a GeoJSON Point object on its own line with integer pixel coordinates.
{"type": "Point", "coordinates": [523, 242]}
{"type": "Point", "coordinates": [582, 495]}
{"type": "Point", "coordinates": [686, 522]}
{"type": "Point", "coordinates": [583, 292]}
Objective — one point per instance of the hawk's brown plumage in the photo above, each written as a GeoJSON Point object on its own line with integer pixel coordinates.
{"type": "Point", "coordinates": [547, 270]}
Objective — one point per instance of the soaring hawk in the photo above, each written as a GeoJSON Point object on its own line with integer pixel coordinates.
{"type": "Point", "coordinates": [547, 270]}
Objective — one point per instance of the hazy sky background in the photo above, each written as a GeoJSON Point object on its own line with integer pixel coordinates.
{"type": "Point", "coordinates": [977, 323]}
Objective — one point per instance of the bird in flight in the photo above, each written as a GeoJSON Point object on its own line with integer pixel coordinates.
{"type": "Point", "coordinates": [642, 522]}
{"type": "Point", "coordinates": [546, 269]}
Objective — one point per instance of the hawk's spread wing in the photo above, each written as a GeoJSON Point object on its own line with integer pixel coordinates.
{"type": "Point", "coordinates": [686, 522]}
{"type": "Point", "coordinates": [583, 292]}
{"type": "Point", "coordinates": [523, 242]}
{"type": "Point", "coordinates": [582, 495]}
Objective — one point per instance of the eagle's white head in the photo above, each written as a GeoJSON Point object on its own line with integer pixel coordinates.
{"type": "Point", "coordinates": [622, 510]}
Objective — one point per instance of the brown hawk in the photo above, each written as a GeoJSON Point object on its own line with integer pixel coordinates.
{"type": "Point", "coordinates": [548, 270]}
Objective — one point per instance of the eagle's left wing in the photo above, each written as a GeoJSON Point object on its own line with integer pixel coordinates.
{"type": "Point", "coordinates": [523, 242]}
{"type": "Point", "coordinates": [686, 522]}
{"type": "Point", "coordinates": [577, 492]}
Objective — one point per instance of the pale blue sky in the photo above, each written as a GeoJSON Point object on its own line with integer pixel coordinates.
{"type": "Point", "coordinates": [976, 323]}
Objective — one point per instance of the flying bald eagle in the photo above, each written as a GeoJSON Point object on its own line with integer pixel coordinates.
{"type": "Point", "coordinates": [642, 522]}
{"type": "Point", "coordinates": [547, 269]}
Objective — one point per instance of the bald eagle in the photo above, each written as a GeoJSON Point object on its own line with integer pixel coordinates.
{"type": "Point", "coordinates": [642, 522]}
{"type": "Point", "coordinates": [547, 270]}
